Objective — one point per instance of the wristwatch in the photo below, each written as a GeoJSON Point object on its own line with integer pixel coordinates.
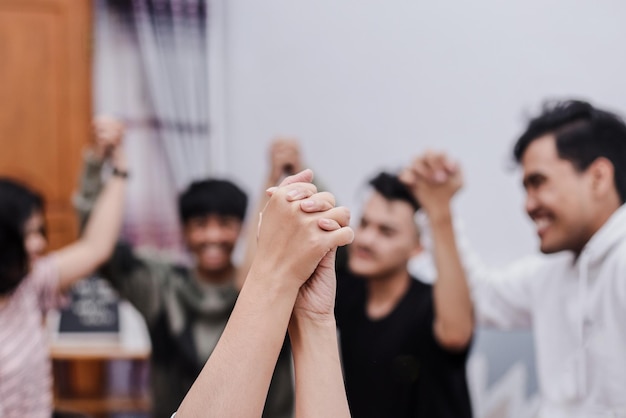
{"type": "Point", "coordinates": [120, 173]}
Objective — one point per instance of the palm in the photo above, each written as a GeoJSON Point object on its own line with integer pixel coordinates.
{"type": "Point", "coordinates": [317, 295]}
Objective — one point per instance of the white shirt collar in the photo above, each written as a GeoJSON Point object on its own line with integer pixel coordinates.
{"type": "Point", "coordinates": [613, 231]}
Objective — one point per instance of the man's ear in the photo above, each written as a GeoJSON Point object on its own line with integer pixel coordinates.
{"type": "Point", "coordinates": [602, 177]}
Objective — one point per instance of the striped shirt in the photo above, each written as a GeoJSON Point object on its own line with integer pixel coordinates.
{"type": "Point", "coordinates": [25, 376]}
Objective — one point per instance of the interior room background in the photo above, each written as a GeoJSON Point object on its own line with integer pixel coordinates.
{"type": "Point", "coordinates": [364, 85]}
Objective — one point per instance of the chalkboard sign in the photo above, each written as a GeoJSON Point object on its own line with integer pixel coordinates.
{"type": "Point", "coordinates": [93, 309]}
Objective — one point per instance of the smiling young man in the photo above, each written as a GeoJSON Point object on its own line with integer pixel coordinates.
{"type": "Point", "coordinates": [186, 308]}
{"type": "Point", "coordinates": [573, 158]}
{"type": "Point", "coordinates": [404, 343]}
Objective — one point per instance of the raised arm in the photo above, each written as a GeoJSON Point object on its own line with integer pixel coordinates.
{"type": "Point", "coordinates": [502, 297]}
{"type": "Point", "coordinates": [291, 244]}
{"type": "Point", "coordinates": [434, 180]}
{"type": "Point", "coordinates": [100, 234]}
{"type": "Point", "coordinates": [320, 390]}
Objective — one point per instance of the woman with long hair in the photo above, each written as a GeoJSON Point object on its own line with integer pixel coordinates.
{"type": "Point", "coordinates": [32, 282]}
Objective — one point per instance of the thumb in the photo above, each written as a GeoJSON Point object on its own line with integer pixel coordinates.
{"type": "Point", "coordinates": [329, 259]}
{"type": "Point", "coordinates": [341, 237]}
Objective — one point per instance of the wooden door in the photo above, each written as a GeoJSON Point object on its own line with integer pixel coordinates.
{"type": "Point", "coordinates": [45, 101]}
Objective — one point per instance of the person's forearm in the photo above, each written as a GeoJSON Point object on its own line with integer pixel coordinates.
{"type": "Point", "coordinates": [235, 379]}
{"type": "Point", "coordinates": [96, 244]}
{"type": "Point", "coordinates": [320, 390]}
{"type": "Point", "coordinates": [453, 307]}
{"type": "Point", "coordinates": [102, 230]}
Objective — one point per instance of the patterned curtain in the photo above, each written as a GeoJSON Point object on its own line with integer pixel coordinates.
{"type": "Point", "coordinates": [172, 43]}
{"type": "Point", "coordinates": [151, 71]}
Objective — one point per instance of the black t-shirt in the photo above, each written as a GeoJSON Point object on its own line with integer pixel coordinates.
{"type": "Point", "coordinates": [393, 366]}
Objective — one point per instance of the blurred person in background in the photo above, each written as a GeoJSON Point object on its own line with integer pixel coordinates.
{"type": "Point", "coordinates": [185, 307]}
{"type": "Point", "coordinates": [573, 158]}
{"type": "Point", "coordinates": [404, 343]}
{"type": "Point", "coordinates": [290, 285]}
{"type": "Point", "coordinates": [32, 282]}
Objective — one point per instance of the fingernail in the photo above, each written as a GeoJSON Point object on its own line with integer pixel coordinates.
{"type": "Point", "coordinates": [327, 223]}
{"type": "Point", "coordinates": [295, 195]}
{"type": "Point", "coordinates": [271, 190]}
{"type": "Point", "coordinates": [307, 204]}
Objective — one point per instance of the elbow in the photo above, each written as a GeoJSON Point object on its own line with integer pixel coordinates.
{"type": "Point", "coordinates": [454, 338]}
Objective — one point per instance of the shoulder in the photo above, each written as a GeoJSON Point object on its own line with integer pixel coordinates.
{"type": "Point", "coordinates": [529, 271]}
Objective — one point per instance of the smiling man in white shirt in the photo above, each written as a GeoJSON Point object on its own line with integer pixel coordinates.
{"type": "Point", "coordinates": [573, 158]}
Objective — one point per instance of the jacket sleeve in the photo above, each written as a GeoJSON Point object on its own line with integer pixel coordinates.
{"type": "Point", "coordinates": [137, 279]}
{"type": "Point", "coordinates": [90, 185]}
{"type": "Point", "coordinates": [502, 298]}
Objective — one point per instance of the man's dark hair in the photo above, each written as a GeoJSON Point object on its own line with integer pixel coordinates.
{"type": "Point", "coordinates": [391, 188]}
{"type": "Point", "coordinates": [17, 204]}
{"type": "Point", "coordinates": [212, 196]}
{"type": "Point", "coordinates": [583, 133]}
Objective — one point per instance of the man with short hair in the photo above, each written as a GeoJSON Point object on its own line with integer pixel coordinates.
{"type": "Point", "coordinates": [404, 343]}
{"type": "Point", "coordinates": [186, 308]}
{"type": "Point", "coordinates": [573, 158]}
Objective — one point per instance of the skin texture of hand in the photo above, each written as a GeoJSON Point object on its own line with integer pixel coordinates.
{"type": "Point", "coordinates": [285, 159]}
{"type": "Point", "coordinates": [107, 136]}
{"type": "Point", "coordinates": [294, 245]}
{"type": "Point", "coordinates": [316, 298]}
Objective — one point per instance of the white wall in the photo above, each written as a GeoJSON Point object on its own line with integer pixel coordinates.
{"type": "Point", "coordinates": [365, 84]}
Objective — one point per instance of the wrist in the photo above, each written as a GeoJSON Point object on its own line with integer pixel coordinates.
{"type": "Point", "coordinates": [439, 214]}
{"type": "Point", "coordinates": [303, 328]}
{"type": "Point", "coordinates": [312, 320]}
{"type": "Point", "coordinates": [268, 278]}
{"type": "Point", "coordinates": [93, 158]}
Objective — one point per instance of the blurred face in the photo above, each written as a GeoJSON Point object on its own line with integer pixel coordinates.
{"type": "Point", "coordinates": [35, 240]}
{"type": "Point", "coordinates": [385, 239]}
{"type": "Point", "coordinates": [559, 198]}
{"type": "Point", "coordinates": [211, 239]}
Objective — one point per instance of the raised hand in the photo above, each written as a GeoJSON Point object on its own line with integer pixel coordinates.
{"type": "Point", "coordinates": [285, 159]}
{"type": "Point", "coordinates": [316, 298]}
{"type": "Point", "coordinates": [434, 179]}
{"type": "Point", "coordinates": [108, 133]}
{"type": "Point", "coordinates": [293, 240]}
